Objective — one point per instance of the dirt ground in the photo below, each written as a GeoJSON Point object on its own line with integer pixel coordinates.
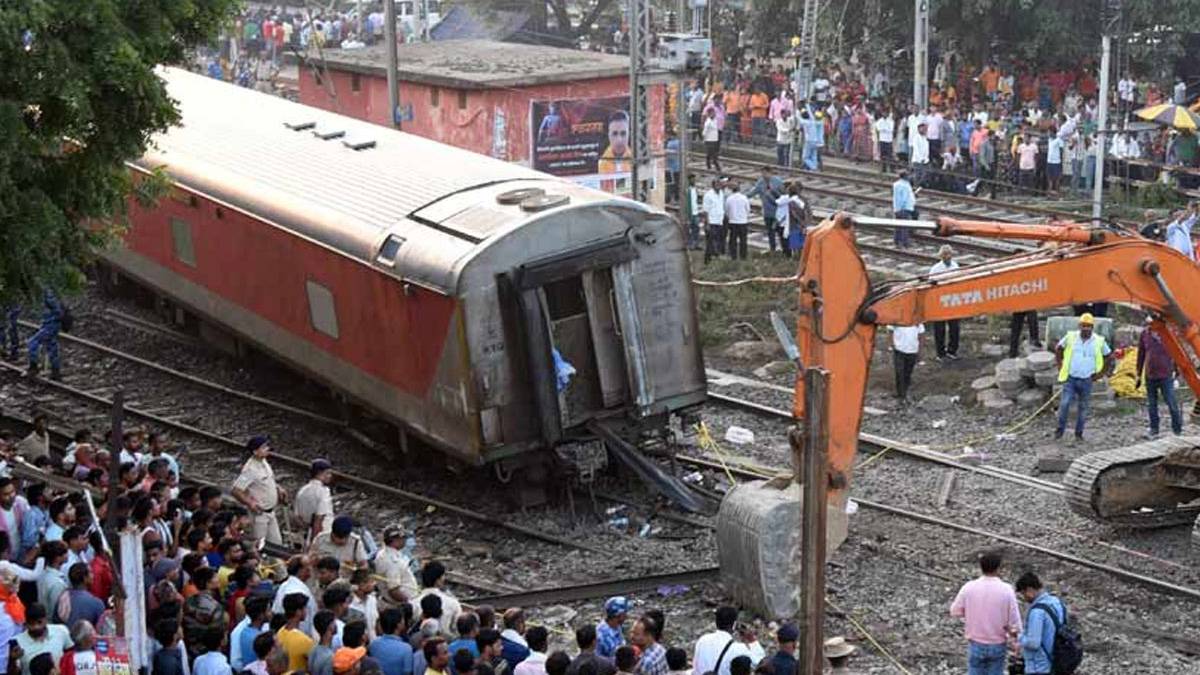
{"type": "Point", "coordinates": [897, 577]}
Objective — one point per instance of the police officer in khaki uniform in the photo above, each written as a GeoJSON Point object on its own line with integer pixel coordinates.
{"type": "Point", "coordinates": [314, 502]}
{"type": "Point", "coordinates": [342, 543]}
{"type": "Point", "coordinates": [397, 584]}
{"type": "Point", "coordinates": [255, 488]}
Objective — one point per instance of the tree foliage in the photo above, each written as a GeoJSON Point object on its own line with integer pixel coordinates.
{"type": "Point", "coordinates": [78, 98]}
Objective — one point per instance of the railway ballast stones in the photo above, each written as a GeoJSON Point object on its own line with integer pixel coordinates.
{"type": "Point", "coordinates": [1024, 381]}
{"type": "Point", "coordinates": [752, 350]}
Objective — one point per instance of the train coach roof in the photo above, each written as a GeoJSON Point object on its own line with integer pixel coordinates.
{"type": "Point", "coordinates": [236, 146]}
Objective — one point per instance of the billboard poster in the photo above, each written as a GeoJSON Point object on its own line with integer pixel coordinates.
{"type": "Point", "coordinates": [586, 140]}
{"type": "Point", "coordinates": [112, 656]}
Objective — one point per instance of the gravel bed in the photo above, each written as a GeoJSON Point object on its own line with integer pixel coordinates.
{"type": "Point", "coordinates": [902, 575]}
{"type": "Point", "coordinates": [895, 576]}
{"type": "Point", "coordinates": [487, 552]}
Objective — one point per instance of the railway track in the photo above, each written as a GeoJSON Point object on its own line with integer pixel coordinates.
{"type": "Point", "coordinates": [216, 449]}
{"type": "Point", "coordinates": [831, 193]}
{"type": "Point", "coordinates": [1056, 491]}
{"type": "Point", "coordinates": [875, 189]}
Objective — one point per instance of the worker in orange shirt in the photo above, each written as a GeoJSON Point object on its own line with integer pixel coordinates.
{"type": "Point", "coordinates": [734, 107]}
{"type": "Point", "coordinates": [760, 104]}
{"type": "Point", "coordinates": [990, 78]}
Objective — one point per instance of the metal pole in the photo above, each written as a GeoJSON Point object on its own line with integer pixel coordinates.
{"type": "Point", "coordinates": [359, 24]}
{"type": "Point", "coordinates": [921, 55]}
{"type": "Point", "coordinates": [425, 21]}
{"type": "Point", "coordinates": [812, 464]}
{"type": "Point", "coordinates": [114, 465]}
{"type": "Point", "coordinates": [1102, 138]}
{"type": "Point", "coordinates": [393, 83]}
{"type": "Point", "coordinates": [639, 98]}
{"type": "Point", "coordinates": [681, 189]}
{"type": "Point", "coordinates": [685, 133]}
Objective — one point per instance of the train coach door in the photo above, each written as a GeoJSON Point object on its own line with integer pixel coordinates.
{"type": "Point", "coordinates": [573, 305]}
{"type": "Point", "coordinates": [601, 300]}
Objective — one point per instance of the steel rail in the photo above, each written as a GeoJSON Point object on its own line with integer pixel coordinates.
{"type": "Point", "coordinates": [1166, 586]}
{"type": "Point", "coordinates": [1159, 584]}
{"type": "Point", "coordinates": [977, 201]}
{"type": "Point", "coordinates": [597, 589]}
{"type": "Point", "coordinates": [192, 379]}
{"type": "Point", "coordinates": [905, 448]}
{"type": "Point", "coordinates": [304, 464]}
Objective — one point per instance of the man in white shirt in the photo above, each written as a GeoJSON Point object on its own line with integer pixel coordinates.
{"type": "Point", "coordinates": [918, 153]}
{"type": "Point", "coordinates": [1126, 91]}
{"type": "Point", "coordinates": [820, 90]}
{"type": "Point", "coordinates": [1180, 92]}
{"type": "Point", "coordinates": [712, 141]}
{"type": "Point", "coordinates": [715, 650]}
{"type": "Point", "coordinates": [933, 130]}
{"type": "Point", "coordinates": [784, 124]}
{"type": "Point", "coordinates": [1054, 161]}
{"type": "Point", "coordinates": [1120, 146]}
{"type": "Point", "coordinates": [906, 345]}
{"type": "Point", "coordinates": [737, 211]}
{"type": "Point", "coordinates": [299, 569]}
{"type": "Point", "coordinates": [714, 221]}
{"type": "Point", "coordinates": [940, 328]}
{"type": "Point", "coordinates": [1134, 149]}
{"type": "Point", "coordinates": [885, 130]}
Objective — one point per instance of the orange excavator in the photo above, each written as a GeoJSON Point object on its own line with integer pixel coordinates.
{"type": "Point", "coordinates": [1152, 484]}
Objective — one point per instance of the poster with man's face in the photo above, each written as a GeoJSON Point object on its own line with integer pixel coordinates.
{"type": "Point", "coordinates": [587, 140]}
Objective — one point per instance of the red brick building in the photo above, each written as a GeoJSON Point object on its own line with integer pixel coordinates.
{"type": "Point", "coordinates": [483, 96]}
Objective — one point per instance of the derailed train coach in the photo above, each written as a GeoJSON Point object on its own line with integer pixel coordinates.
{"type": "Point", "coordinates": [434, 287]}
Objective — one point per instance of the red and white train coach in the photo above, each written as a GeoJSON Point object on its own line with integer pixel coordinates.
{"type": "Point", "coordinates": [427, 284]}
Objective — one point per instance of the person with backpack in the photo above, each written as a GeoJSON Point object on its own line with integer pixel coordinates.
{"type": "Point", "coordinates": [1049, 644]}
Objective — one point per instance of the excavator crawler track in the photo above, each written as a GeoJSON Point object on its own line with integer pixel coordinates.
{"type": "Point", "coordinates": [1121, 487]}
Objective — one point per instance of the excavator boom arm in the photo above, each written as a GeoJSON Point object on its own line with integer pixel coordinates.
{"type": "Point", "coordinates": [840, 309]}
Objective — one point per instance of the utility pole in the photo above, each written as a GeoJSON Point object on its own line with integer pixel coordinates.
{"type": "Point", "coordinates": [811, 455]}
{"type": "Point", "coordinates": [639, 97]}
{"type": "Point", "coordinates": [805, 48]}
{"type": "Point", "coordinates": [1102, 123]}
{"type": "Point", "coordinates": [685, 134]}
{"type": "Point", "coordinates": [921, 56]}
{"type": "Point", "coordinates": [393, 77]}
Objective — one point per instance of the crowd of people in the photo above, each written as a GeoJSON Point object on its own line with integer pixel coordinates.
{"type": "Point", "coordinates": [227, 591]}
{"type": "Point", "coordinates": [991, 128]}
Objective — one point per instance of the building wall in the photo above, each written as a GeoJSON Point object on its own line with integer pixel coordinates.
{"type": "Point", "coordinates": [468, 118]}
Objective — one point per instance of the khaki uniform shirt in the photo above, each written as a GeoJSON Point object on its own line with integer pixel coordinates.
{"type": "Point", "coordinates": [351, 554]}
{"type": "Point", "coordinates": [391, 566]}
{"type": "Point", "coordinates": [314, 499]}
{"type": "Point", "coordinates": [258, 480]}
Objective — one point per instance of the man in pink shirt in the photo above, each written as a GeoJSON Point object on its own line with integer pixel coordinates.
{"type": "Point", "coordinates": [988, 606]}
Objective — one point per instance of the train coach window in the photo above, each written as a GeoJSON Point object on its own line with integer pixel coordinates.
{"type": "Point", "coordinates": [181, 239]}
{"type": "Point", "coordinates": [462, 99]}
{"type": "Point", "coordinates": [321, 310]}
{"type": "Point", "coordinates": [389, 251]}
{"type": "Point", "coordinates": [435, 96]}
{"type": "Point", "coordinates": [355, 83]}
{"type": "Point", "coordinates": [564, 298]}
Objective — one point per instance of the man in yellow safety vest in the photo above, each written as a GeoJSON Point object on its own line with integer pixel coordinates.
{"type": "Point", "coordinates": [1083, 357]}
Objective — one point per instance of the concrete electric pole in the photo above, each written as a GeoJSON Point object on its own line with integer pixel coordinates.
{"type": "Point", "coordinates": [921, 55]}
{"type": "Point", "coordinates": [1102, 138]}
